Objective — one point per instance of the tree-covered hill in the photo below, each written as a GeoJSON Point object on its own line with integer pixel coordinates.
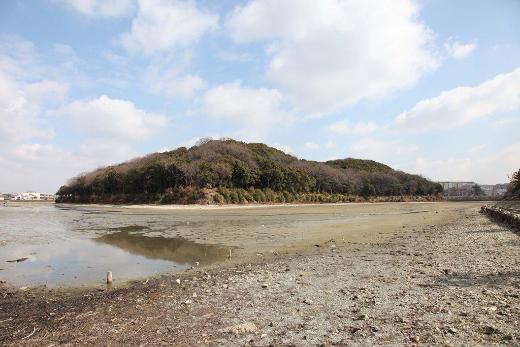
{"type": "Point", "coordinates": [229, 171]}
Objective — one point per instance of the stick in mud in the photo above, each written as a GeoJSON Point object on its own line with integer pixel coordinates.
{"type": "Point", "coordinates": [109, 277]}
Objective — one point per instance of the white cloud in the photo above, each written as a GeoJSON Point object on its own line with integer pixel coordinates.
{"type": "Point", "coordinates": [161, 25]}
{"type": "Point", "coordinates": [170, 83]}
{"type": "Point", "coordinates": [312, 145]}
{"type": "Point", "coordinates": [20, 107]}
{"type": "Point", "coordinates": [112, 118]}
{"type": "Point", "coordinates": [459, 50]}
{"type": "Point", "coordinates": [315, 146]}
{"type": "Point", "coordinates": [332, 53]}
{"type": "Point", "coordinates": [345, 127]}
{"type": "Point", "coordinates": [477, 148]}
{"type": "Point", "coordinates": [53, 165]}
{"type": "Point", "coordinates": [283, 148]}
{"type": "Point", "coordinates": [101, 8]}
{"type": "Point", "coordinates": [28, 90]}
{"type": "Point", "coordinates": [234, 56]}
{"type": "Point", "coordinates": [380, 150]}
{"type": "Point", "coordinates": [462, 105]}
{"type": "Point", "coordinates": [484, 169]}
{"type": "Point", "coordinates": [255, 110]}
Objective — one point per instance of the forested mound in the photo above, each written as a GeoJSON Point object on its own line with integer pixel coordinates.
{"type": "Point", "coordinates": [229, 171]}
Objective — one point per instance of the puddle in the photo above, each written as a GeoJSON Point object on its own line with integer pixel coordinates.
{"type": "Point", "coordinates": [84, 262]}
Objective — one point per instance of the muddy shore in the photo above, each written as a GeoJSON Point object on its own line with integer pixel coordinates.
{"type": "Point", "coordinates": [451, 283]}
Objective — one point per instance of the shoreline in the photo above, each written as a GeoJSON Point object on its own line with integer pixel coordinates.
{"type": "Point", "coordinates": [433, 286]}
{"type": "Point", "coordinates": [245, 206]}
{"type": "Point", "coordinates": [369, 223]}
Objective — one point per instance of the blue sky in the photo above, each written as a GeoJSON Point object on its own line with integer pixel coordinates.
{"type": "Point", "coordinates": [429, 87]}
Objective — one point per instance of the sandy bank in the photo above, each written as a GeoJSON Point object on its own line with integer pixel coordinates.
{"type": "Point", "coordinates": [226, 206]}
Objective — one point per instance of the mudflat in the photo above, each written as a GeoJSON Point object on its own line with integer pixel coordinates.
{"type": "Point", "coordinates": [448, 276]}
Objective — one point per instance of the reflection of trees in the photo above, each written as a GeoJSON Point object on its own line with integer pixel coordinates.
{"type": "Point", "coordinates": [172, 249]}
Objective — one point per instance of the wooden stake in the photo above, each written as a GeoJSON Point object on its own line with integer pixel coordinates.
{"type": "Point", "coordinates": [230, 253]}
{"type": "Point", "coordinates": [109, 277]}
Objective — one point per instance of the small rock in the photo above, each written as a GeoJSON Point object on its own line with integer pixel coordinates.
{"type": "Point", "coordinates": [308, 301]}
{"type": "Point", "coordinates": [491, 309]}
{"type": "Point", "coordinates": [354, 330]}
{"type": "Point", "coordinates": [265, 285]}
{"type": "Point", "coordinates": [452, 330]}
{"type": "Point", "coordinates": [361, 317]}
{"type": "Point", "coordinates": [194, 295]}
{"type": "Point", "coordinates": [19, 260]}
{"type": "Point", "coordinates": [489, 330]}
{"type": "Point", "coordinates": [187, 302]}
{"type": "Point", "coordinates": [178, 281]}
{"type": "Point", "coordinates": [401, 320]}
{"type": "Point", "coordinates": [243, 328]}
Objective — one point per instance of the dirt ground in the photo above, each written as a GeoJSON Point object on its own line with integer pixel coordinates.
{"type": "Point", "coordinates": [448, 284]}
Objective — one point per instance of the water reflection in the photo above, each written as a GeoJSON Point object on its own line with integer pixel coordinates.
{"type": "Point", "coordinates": [176, 249]}
{"type": "Point", "coordinates": [80, 262]}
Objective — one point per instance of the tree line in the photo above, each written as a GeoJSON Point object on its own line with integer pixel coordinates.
{"type": "Point", "coordinates": [514, 185]}
{"type": "Point", "coordinates": [254, 172]}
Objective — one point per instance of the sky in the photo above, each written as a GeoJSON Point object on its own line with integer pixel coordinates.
{"type": "Point", "coordinates": [429, 87]}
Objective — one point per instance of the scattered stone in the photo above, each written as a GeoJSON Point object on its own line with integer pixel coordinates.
{"type": "Point", "coordinates": [239, 329]}
{"type": "Point", "coordinates": [308, 301]}
{"type": "Point", "coordinates": [265, 285]}
{"type": "Point", "coordinates": [452, 330]}
{"type": "Point", "coordinates": [188, 302]}
{"type": "Point", "coordinates": [361, 317]}
{"type": "Point", "coordinates": [490, 330]}
{"type": "Point", "coordinates": [354, 330]}
{"type": "Point", "coordinates": [178, 281]}
{"type": "Point", "coordinates": [491, 309]}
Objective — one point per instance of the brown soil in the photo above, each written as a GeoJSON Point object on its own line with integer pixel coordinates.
{"type": "Point", "coordinates": [452, 284]}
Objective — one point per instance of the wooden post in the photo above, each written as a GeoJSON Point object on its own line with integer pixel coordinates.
{"type": "Point", "coordinates": [109, 277]}
{"type": "Point", "coordinates": [230, 253]}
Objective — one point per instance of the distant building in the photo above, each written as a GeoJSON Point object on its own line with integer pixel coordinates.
{"type": "Point", "coordinates": [457, 189]}
{"type": "Point", "coordinates": [466, 189]}
{"type": "Point", "coordinates": [496, 191]}
{"type": "Point", "coordinates": [32, 196]}
{"type": "Point", "coordinates": [8, 196]}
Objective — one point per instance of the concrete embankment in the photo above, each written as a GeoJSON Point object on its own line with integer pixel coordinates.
{"type": "Point", "coordinates": [510, 216]}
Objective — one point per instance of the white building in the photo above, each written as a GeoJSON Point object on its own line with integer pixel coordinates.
{"type": "Point", "coordinates": [496, 191]}
{"type": "Point", "coordinates": [32, 196]}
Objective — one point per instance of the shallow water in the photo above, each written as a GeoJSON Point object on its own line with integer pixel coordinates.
{"type": "Point", "coordinates": [77, 245]}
